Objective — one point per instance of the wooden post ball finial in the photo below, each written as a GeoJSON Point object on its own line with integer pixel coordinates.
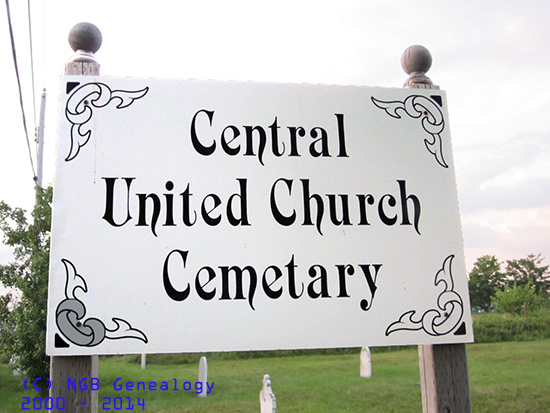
{"type": "Point", "coordinates": [85, 37]}
{"type": "Point", "coordinates": [416, 61]}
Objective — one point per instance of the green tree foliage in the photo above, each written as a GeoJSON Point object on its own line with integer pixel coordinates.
{"type": "Point", "coordinates": [486, 278]}
{"type": "Point", "coordinates": [526, 277]}
{"type": "Point", "coordinates": [512, 299]}
{"type": "Point", "coordinates": [23, 309]}
{"type": "Point", "coordinates": [527, 271]}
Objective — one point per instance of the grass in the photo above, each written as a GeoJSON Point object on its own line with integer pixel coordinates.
{"type": "Point", "coordinates": [504, 377]}
{"type": "Point", "coordinates": [510, 377]}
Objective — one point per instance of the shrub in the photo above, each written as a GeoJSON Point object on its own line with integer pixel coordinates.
{"type": "Point", "coordinates": [513, 299]}
{"type": "Point", "coordinates": [498, 327]}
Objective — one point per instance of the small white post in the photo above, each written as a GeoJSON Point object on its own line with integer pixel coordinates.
{"type": "Point", "coordinates": [203, 376]}
{"type": "Point", "coordinates": [143, 361]}
{"type": "Point", "coordinates": [267, 398]}
{"type": "Point", "coordinates": [15, 371]}
{"type": "Point", "coordinates": [366, 367]}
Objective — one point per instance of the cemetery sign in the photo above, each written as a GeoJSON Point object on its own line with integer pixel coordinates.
{"type": "Point", "coordinates": [194, 216]}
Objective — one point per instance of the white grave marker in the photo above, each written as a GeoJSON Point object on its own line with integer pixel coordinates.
{"type": "Point", "coordinates": [203, 375]}
{"type": "Point", "coordinates": [268, 403]}
{"type": "Point", "coordinates": [365, 361]}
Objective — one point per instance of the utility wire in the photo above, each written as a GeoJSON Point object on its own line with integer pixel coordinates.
{"type": "Point", "coordinates": [19, 87]}
{"type": "Point", "coordinates": [32, 61]}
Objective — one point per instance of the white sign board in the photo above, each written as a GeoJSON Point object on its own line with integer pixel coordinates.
{"type": "Point", "coordinates": [194, 216]}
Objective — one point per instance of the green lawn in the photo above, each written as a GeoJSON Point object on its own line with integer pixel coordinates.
{"type": "Point", "coordinates": [504, 377]}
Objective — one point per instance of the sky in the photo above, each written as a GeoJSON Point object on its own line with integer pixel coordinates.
{"type": "Point", "coordinates": [491, 57]}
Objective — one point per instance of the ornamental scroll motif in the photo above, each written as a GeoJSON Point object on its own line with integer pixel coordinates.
{"type": "Point", "coordinates": [80, 110]}
{"type": "Point", "coordinates": [441, 320]}
{"type": "Point", "coordinates": [420, 107]}
{"type": "Point", "coordinates": [86, 332]}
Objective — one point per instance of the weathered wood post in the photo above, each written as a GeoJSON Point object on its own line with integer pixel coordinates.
{"type": "Point", "coordinates": [85, 39]}
{"type": "Point", "coordinates": [443, 367]}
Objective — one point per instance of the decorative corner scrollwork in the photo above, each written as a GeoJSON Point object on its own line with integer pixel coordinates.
{"type": "Point", "coordinates": [420, 107]}
{"type": "Point", "coordinates": [442, 320]}
{"type": "Point", "coordinates": [80, 109]}
{"type": "Point", "coordinates": [86, 332]}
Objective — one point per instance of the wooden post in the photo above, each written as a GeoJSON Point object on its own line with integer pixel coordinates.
{"type": "Point", "coordinates": [444, 378]}
{"type": "Point", "coordinates": [85, 39]}
{"type": "Point", "coordinates": [443, 367]}
{"type": "Point", "coordinates": [75, 368]}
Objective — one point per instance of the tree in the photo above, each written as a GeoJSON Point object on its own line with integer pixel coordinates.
{"type": "Point", "coordinates": [529, 271]}
{"type": "Point", "coordinates": [485, 280]}
{"type": "Point", "coordinates": [512, 299]}
{"type": "Point", "coordinates": [23, 310]}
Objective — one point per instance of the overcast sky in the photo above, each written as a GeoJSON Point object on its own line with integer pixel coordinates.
{"type": "Point", "coordinates": [492, 57]}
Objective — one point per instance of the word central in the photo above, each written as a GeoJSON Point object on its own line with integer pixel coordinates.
{"type": "Point", "coordinates": [256, 138]}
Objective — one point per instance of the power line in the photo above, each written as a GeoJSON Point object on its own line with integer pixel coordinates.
{"type": "Point", "coordinates": [19, 86]}
{"type": "Point", "coordinates": [32, 61]}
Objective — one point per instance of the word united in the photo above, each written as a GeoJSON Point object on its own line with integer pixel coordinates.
{"type": "Point", "coordinates": [153, 210]}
